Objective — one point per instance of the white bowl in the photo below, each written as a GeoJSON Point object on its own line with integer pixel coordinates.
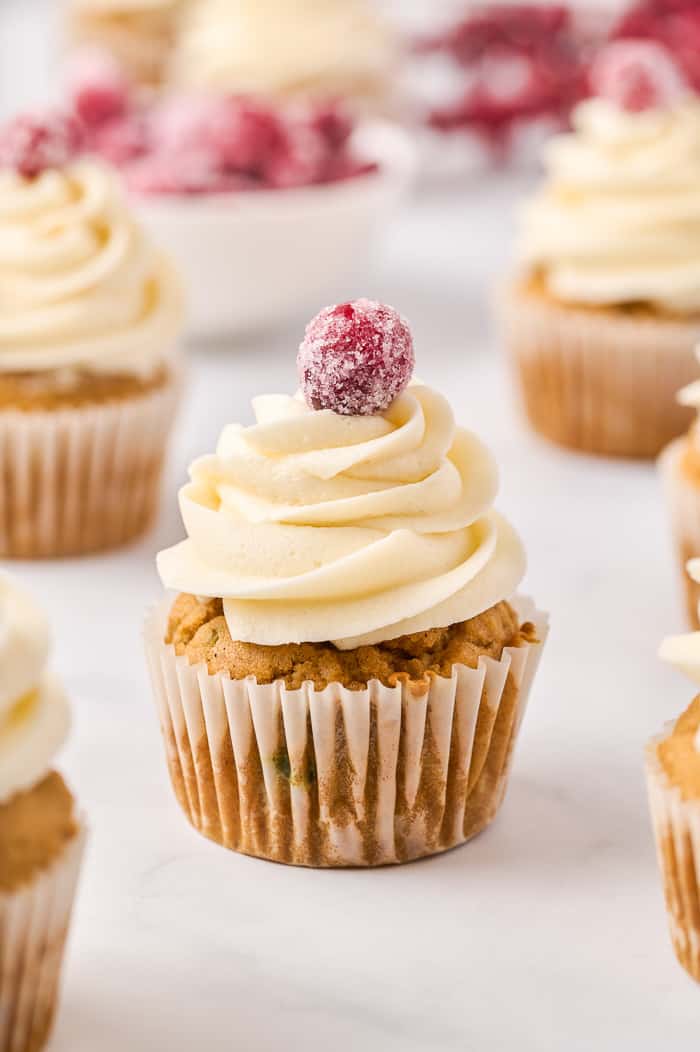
{"type": "Point", "coordinates": [252, 260]}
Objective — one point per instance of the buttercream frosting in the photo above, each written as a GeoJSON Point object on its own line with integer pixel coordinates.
{"type": "Point", "coordinates": [313, 526]}
{"type": "Point", "coordinates": [80, 284]}
{"type": "Point", "coordinates": [618, 219]}
{"type": "Point", "coordinates": [34, 714]}
{"type": "Point", "coordinates": [272, 47]}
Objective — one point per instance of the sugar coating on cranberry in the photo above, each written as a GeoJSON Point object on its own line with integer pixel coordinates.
{"type": "Point", "coordinates": [638, 75]}
{"type": "Point", "coordinates": [98, 88]}
{"type": "Point", "coordinates": [356, 358]}
{"type": "Point", "coordinates": [33, 144]}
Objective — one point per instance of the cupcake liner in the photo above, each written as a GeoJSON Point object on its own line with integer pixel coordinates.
{"type": "Point", "coordinates": [683, 502]}
{"type": "Point", "coordinates": [82, 480]}
{"type": "Point", "coordinates": [600, 381]}
{"type": "Point", "coordinates": [676, 825]}
{"type": "Point", "coordinates": [337, 777]}
{"type": "Point", "coordinates": [34, 924]}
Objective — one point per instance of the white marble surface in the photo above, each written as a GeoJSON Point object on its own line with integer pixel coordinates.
{"type": "Point", "coordinates": [547, 932]}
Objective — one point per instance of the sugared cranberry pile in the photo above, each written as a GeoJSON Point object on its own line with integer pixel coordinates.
{"type": "Point", "coordinates": [521, 62]}
{"type": "Point", "coordinates": [198, 144]}
{"type": "Point", "coordinates": [356, 358]}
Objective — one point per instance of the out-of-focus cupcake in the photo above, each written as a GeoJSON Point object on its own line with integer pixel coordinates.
{"type": "Point", "coordinates": [90, 315]}
{"type": "Point", "coordinates": [602, 321]}
{"type": "Point", "coordinates": [274, 49]}
{"type": "Point", "coordinates": [673, 775]}
{"type": "Point", "coordinates": [41, 834]}
{"type": "Point", "coordinates": [343, 676]}
{"type": "Point", "coordinates": [140, 34]}
{"type": "Point", "coordinates": [680, 471]}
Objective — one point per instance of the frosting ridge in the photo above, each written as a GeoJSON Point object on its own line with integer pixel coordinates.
{"type": "Point", "coordinates": [618, 219]}
{"type": "Point", "coordinates": [80, 284]}
{"type": "Point", "coordinates": [313, 526]}
{"type": "Point", "coordinates": [34, 714]}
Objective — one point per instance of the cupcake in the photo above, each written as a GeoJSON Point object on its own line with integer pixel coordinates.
{"type": "Point", "coordinates": [343, 674]}
{"type": "Point", "coordinates": [680, 472]}
{"type": "Point", "coordinates": [673, 775]}
{"type": "Point", "coordinates": [139, 34]}
{"type": "Point", "coordinates": [603, 318]}
{"type": "Point", "coordinates": [89, 373]}
{"type": "Point", "coordinates": [271, 48]}
{"type": "Point", "coordinates": [41, 834]}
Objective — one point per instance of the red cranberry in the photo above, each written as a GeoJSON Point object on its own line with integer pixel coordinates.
{"type": "Point", "coordinates": [356, 358]}
{"type": "Point", "coordinates": [247, 135]}
{"type": "Point", "coordinates": [99, 89]}
{"type": "Point", "coordinates": [299, 161]}
{"type": "Point", "coordinates": [638, 75]}
{"type": "Point", "coordinates": [32, 144]}
{"type": "Point", "coordinates": [120, 140]}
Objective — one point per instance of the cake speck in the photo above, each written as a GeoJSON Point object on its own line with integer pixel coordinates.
{"type": "Point", "coordinates": [356, 358]}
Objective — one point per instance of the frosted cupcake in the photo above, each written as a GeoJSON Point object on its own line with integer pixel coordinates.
{"type": "Point", "coordinates": [680, 471]}
{"type": "Point", "coordinates": [271, 48]}
{"type": "Point", "coordinates": [602, 321]}
{"type": "Point", "coordinates": [41, 837]}
{"type": "Point", "coordinates": [342, 677]}
{"type": "Point", "coordinates": [673, 773]}
{"type": "Point", "coordinates": [90, 315]}
{"type": "Point", "coordinates": [140, 34]}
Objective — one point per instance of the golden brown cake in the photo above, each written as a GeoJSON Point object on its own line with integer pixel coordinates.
{"type": "Point", "coordinates": [36, 826]}
{"type": "Point", "coordinates": [343, 675]}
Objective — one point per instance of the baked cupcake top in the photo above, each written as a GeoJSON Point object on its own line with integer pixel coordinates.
{"type": "Point", "coordinates": [618, 219]}
{"type": "Point", "coordinates": [354, 512]}
{"type": "Point", "coordinates": [81, 287]}
{"type": "Point", "coordinates": [679, 752]}
{"type": "Point", "coordinates": [272, 47]}
{"type": "Point", "coordinates": [34, 715]}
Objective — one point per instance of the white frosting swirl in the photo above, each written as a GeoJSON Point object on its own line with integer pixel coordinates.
{"type": "Point", "coordinates": [272, 47]}
{"type": "Point", "coordinates": [34, 715]}
{"type": "Point", "coordinates": [618, 220]}
{"type": "Point", "coordinates": [313, 526]}
{"type": "Point", "coordinates": [80, 284]}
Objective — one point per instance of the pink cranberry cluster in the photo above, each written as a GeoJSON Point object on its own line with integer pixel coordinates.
{"type": "Point", "coordinates": [539, 42]}
{"type": "Point", "coordinates": [198, 144]}
{"type": "Point", "coordinates": [356, 358]}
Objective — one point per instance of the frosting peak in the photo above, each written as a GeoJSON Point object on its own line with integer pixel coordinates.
{"type": "Point", "coordinates": [618, 219]}
{"type": "Point", "coordinates": [80, 285]}
{"type": "Point", "coordinates": [34, 716]}
{"type": "Point", "coordinates": [272, 47]}
{"type": "Point", "coordinates": [314, 526]}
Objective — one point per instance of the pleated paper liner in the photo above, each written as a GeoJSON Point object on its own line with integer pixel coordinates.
{"type": "Point", "coordinates": [599, 381]}
{"type": "Point", "coordinates": [683, 502]}
{"type": "Point", "coordinates": [677, 831]}
{"type": "Point", "coordinates": [81, 480]}
{"type": "Point", "coordinates": [337, 777]}
{"type": "Point", "coordinates": [34, 923]}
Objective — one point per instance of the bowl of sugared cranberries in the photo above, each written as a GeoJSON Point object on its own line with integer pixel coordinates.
{"type": "Point", "coordinates": [267, 209]}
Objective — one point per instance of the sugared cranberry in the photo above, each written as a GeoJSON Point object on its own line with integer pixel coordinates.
{"type": "Point", "coordinates": [120, 140]}
{"type": "Point", "coordinates": [333, 124]}
{"type": "Point", "coordinates": [188, 173]}
{"type": "Point", "coordinates": [638, 75]}
{"type": "Point", "coordinates": [98, 88]}
{"type": "Point", "coordinates": [32, 144]}
{"type": "Point", "coordinates": [356, 358]}
{"type": "Point", "coordinates": [299, 160]}
{"type": "Point", "coordinates": [247, 135]}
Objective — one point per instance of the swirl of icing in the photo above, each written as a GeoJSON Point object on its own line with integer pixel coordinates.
{"type": "Point", "coordinates": [80, 284]}
{"type": "Point", "coordinates": [618, 220]}
{"type": "Point", "coordinates": [272, 47]}
{"type": "Point", "coordinates": [34, 715]}
{"type": "Point", "coordinates": [313, 526]}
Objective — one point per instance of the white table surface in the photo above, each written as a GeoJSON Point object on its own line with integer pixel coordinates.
{"type": "Point", "coordinates": [546, 933]}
